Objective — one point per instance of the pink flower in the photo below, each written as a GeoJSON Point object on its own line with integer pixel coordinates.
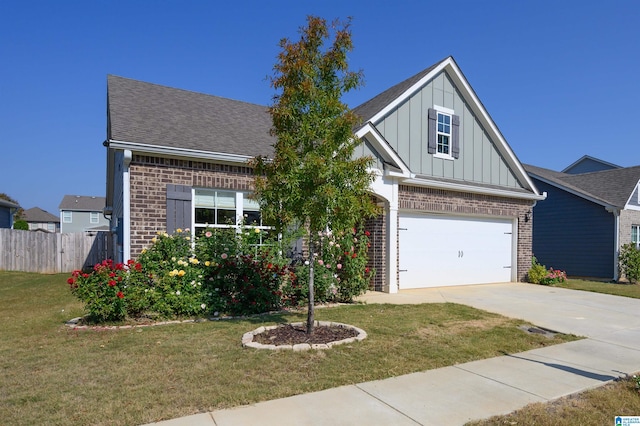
{"type": "Point", "coordinates": [320, 262]}
{"type": "Point", "coordinates": [208, 234]}
{"type": "Point", "coordinates": [224, 255]}
{"type": "Point", "coordinates": [339, 266]}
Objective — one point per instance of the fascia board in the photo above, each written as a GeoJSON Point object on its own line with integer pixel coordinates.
{"type": "Point", "coordinates": [458, 187]}
{"type": "Point", "coordinates": [383, 148]}
{"type": "Point", "coordinates": [453, 71]}
{"type": "Point", "coordinates": [179, 152]}
{"type": "Point", "coordinates": [574, 192]}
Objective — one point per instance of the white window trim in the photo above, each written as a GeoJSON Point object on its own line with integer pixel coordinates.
{"type": "Point", "coordinates": [239, 211]}
{"type": "Point", "coordinates": [67, 219]}
{"type": "Point", "coordinates": [450, 113]}
{"type": "Point", "coordinates": [91, 217]}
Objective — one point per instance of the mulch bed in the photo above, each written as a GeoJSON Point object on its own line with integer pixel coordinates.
{"type": "Point", "coordinates": [292, 335]}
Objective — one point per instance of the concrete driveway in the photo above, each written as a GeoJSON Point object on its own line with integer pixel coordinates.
{"type": "Point", "coordinates": [611, 319]}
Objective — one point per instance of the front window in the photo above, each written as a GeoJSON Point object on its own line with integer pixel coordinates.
{"type": "Point", "coordinates": [214, 208]}
{"type": "Point", "coordinates": [444, 134]}
{"type": "Point", "coordinates": [66, 217]}
{"type": "Point", "coordinates": [635, 235]}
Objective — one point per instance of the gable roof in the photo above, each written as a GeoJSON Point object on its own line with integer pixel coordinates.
{"type": "Point", "coordinates": [82, 203]}
{"type": "Point", "coordinates": [36, 214]}
{"type": "Point", "coordinates": [607, 187]}
{"type": "Point", "coordinates": [589, 161]}
{"type": "Point", "coordinates": [140, 113]}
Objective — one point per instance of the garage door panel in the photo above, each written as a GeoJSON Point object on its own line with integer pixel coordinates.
{"type": "Point", "coordinates": [446, 250]}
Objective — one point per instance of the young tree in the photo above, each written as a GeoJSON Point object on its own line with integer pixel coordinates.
{"type": "Point", "coordinates": [313, 181]}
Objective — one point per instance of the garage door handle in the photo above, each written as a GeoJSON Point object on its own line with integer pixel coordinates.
{"type": "Point", "coordinates": [402, 270]}
{"type": "Point", "coordinates": [460, 253]}
{"type": "Point", "coordinates": [402, 229]}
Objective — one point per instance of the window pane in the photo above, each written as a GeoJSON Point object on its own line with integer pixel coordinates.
{"type": "Point", "coordinates": [249, 203]}
{"type": "Point", "coordinates": [252, 218]}
{"type": "Point", "coordinates": [635, 230]}
{"type": "Point", "coordinates": [225, 199]}
{"type": "Point", "coordinates": [205, 216]}
{"type": "Point", "coordinates": [205, 198]}
{"type": "Point", "coordinates": [226, 217]}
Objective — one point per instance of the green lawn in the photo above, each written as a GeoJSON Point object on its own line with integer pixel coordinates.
{"type": "Point", "coordinates": [622, 289]}
{"type": "Point", "coordinates": [52, 374]}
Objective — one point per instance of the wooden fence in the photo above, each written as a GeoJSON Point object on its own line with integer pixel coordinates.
{"type": "Point", "coordinates": [31, 251]}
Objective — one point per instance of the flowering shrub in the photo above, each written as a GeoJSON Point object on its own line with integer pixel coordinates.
{"type": "Point", "coordinates": [340, 269]}
{"type": "Point", "coordinates": [102, 290]}
{"type": "Point", "coordinates": [554, 276]}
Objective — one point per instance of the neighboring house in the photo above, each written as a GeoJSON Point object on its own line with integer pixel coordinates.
{"type": "Point", "coordinates": [7, 210]}
{"type": "Point", "coordinates": [591, 210]}
{"type": "Point", "coordinates": [80, 213]}
{"type": "Point", "coordinates": [39, 219]}
{"type": "Point", "coordinates": [454, 197]}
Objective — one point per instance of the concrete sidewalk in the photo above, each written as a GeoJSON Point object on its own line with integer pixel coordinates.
{"type": "Point", "coordinates": [480, 389]}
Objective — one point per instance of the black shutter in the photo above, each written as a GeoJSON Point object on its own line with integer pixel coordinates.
{"type": "Point", "coordinates": [178, 207]}
{"type": "Point", "coordinates": [455, 136]}
{"type": "Point", "coordinates": [431, 134]}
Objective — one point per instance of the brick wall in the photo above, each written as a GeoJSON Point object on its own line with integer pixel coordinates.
{"type": "Point", "coordinates": [149, 178]}
{"type": "Point", "coordinates": [459, 203]}
{"type": "Point", "coordinates": [627, 218]}
{"type": "Point", "coordinates": [377, 251]}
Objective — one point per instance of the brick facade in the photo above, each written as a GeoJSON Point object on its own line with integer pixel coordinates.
{"type": "Point", "coordinates": [430, 200]}
{"type": "Point", "coordinates": [377, 251]}
{"type": "Point", "coordinates": [149, 177]}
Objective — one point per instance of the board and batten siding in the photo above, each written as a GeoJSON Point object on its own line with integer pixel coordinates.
{"type": "Point", "coordinates": [365, 150]}
{"type": "Point", "coordinates": [573, 234]}
{"type": "Point", "coordinates": [406, 128]}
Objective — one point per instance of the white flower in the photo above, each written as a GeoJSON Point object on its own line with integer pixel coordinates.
{"type": "Point", "coordinates": [306, 262]}
{"type": "Point", "coordinates": [178, 293]}
{"type": "Point", "coordinates": [203, 306]}
{"type": "Point", "coordinates": [215, 314]}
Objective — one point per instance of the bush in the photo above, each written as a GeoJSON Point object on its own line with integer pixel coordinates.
{"type": "Point", "coordinates": [537, 272]}
{"type": "Point", "coordinates": [629, 262]}
{"type": "Point", "coordinates": [21, 224]}
{"type": "Point", "coordinates": [554, 276]}
{"type": "Point", "coordinates": [340, 269]}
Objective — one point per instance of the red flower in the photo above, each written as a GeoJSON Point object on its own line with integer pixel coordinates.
{"type": "Point", "coordinates": [71, 281]}
{"type": "Point", "coordinates": [112, 274]}
{"type": "Point", "coordinates": [75, 273]}
{"type": "Point", "coordinates": [112, 283]}
{"type": "Point", "coordinates": [130, 262]}
{"type": "Point", "coordinates": [366, 270]}
{"type": "Point", "coordinates": [120, 279]}
{"type": "Point", "coordinates": [353, 256]}
{"type": "Point", "coordinates": [120, 295]}
{"type": "Point", "coordinates": [138, 267]}
{"type": "Point", "coordinates": [367, 233]}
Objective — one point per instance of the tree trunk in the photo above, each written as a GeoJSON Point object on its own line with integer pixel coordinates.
{"type": "Point", "coordinates": [310, 313]}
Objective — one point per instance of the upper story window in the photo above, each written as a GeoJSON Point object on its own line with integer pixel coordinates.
{"type": "Point", "coordinates": [94, 217]}
{"type": "Point", "coordinates": [443, 133]}
{"type": "Point", "coordinates": [635, 235]}
{"type": "Point", "coordinates": [67, 217]}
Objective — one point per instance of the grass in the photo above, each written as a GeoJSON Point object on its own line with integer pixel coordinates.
{"type": "Point", "coordinates": [617, 289]}
{"type": "Point", "coordinates": [51, 374]}
{"type": "Point", "coordinates": [594, 407]}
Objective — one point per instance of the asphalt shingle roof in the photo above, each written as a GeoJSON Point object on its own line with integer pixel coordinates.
{"type": "Point", "coordinates": [82, 203]}
{"type": "Point", "coordinates": [36, 214]}
{"type": "Point", "coordinates": [613, 187]}
{"type": "Point", "coordinates": [151, 114]}
{"type": "Point", "coordinates": [374, 105]}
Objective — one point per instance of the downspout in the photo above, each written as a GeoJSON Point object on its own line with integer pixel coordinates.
{"type": "Point", "coordinates": [126, 207]}
{"type": "Point", "coordinates": [616, 240]}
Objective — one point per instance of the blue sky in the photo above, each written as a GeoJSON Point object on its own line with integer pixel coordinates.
{"type": "Point", "coordinates": [561, 79]}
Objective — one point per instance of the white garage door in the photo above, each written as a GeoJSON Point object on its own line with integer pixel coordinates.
{"type": "Point", "coordinates": [444, 250]}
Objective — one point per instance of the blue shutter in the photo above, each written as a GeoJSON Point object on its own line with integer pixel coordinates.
{"type": "Point", "coordinates": [455, 136]}
{"type": "Point", "coordinates": [431, 134]}
{"type": "Point", "coordinates": [178, 207]}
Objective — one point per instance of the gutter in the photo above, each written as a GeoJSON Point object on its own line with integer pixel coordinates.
{"type": "Point", "coordinates": [177, 152]}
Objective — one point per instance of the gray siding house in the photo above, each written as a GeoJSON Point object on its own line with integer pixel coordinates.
{"type": "Point", "coordinates": [592, 209]}
{"type": "Point", "coordinates": [81, 213]}
{"type": "Point", "coordinates": [7, 210]}
{"type": "Point", "coordinates": [39, 219]}
{"type": "Point", "coordinates": [454, 196]}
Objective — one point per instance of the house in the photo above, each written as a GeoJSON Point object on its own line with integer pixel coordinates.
{"type": "Point", "coordinates": [7, 210]}
{"type": "Point", "coordinates": [81, 213]}
{"type": "Point", "coordinates": [454, 196]}
{"type": "Point", "coordinates": [39, 219]}
{"type": "Point", "coordinates": [592, 209]}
